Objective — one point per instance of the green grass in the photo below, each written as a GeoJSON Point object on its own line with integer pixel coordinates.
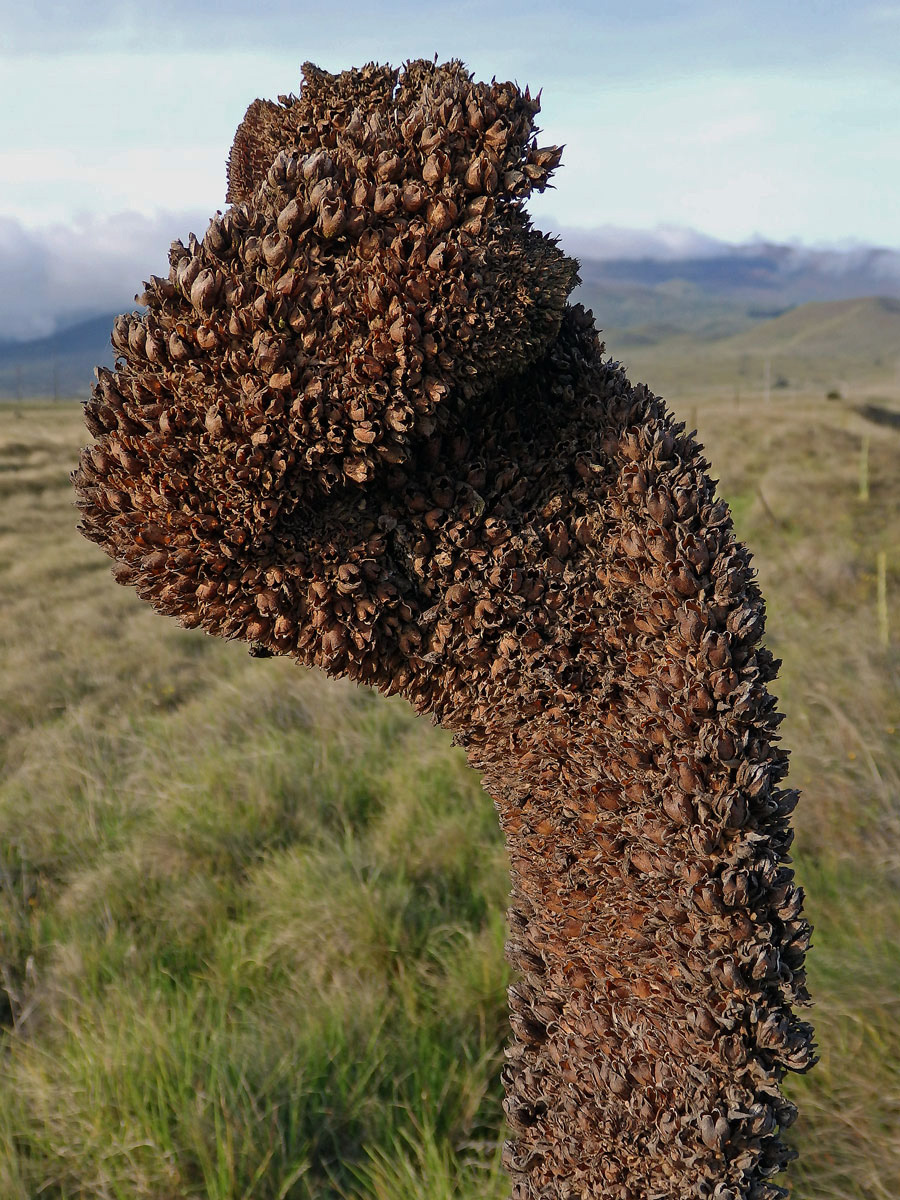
{"type": "Point", "coordinates": [251, 921]}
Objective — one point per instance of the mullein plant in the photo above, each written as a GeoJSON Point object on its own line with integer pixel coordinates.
{"type": "Point", "coordinates": [358, 423]}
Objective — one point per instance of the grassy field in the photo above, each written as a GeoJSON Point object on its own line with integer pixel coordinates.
{"type": "Point", "coordinates": [251, 921]}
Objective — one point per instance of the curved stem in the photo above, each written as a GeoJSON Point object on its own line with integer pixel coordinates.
{"type": "Point", "coordinates": [609, 685]}
{"type": "Point", "coordinates": [359, 425]}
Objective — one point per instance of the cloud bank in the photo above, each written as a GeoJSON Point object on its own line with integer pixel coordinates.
{"type": "Point", "coordinates": [666, 243]}
{"type": "Point", "coordinates": [55, 275]}
{"type": "Point", "coordinates": [58, 274]}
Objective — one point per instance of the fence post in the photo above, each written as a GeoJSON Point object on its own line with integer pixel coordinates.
{"type": "Point", "coordinates": [864, 469]}
{"type": "Point", "coordinates": [881, 598]}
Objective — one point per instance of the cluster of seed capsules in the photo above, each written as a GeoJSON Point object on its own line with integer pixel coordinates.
{"type": "Point", "coordinates": [361, 425]}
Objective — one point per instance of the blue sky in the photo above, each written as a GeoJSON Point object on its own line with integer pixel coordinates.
{"type": "Point", "coordinates": [736, 120]}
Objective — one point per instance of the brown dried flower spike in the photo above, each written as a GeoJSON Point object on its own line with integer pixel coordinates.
{"type": "Point", "coordinates": [359, 424]}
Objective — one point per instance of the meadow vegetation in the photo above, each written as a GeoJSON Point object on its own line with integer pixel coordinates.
{"type": "Point", "coordinates": [252, 921]}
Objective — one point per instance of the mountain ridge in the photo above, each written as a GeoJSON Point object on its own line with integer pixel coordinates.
{"type": "Point", "coordinates": [637, 303]}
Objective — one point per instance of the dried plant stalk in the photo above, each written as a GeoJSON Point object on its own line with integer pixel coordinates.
{"type": "Point", "coordinates": [360, 424]}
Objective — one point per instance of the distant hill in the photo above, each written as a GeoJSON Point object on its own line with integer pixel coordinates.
{"type": "Point", "coordinates": [778, 299]}
{"type": "Point", "coordinates": [645, 300]}
{"type": "Point", "coordinates": [863, 330]}
{"type": "Point", "coordinates": [61, 365]}
{"type": "Point", "coordinates": [762, 272]}
{"type": "Point", "coordinates": [818, 346]}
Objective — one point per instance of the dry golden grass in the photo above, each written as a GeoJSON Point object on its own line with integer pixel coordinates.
{"type": "Point", "coordinates": [251, 921]}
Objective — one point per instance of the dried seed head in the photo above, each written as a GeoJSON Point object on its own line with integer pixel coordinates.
{"type": "Point", "coordinates": [360, 425]}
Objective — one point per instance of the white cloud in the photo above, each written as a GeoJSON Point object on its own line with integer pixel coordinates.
{"type": "Point", "coordinates": [666, 242]}
{"type": "Point", "coordinates": [54, 275]}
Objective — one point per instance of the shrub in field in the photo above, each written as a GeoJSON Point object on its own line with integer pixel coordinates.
{"type": "Point", "coordinates": [360, 425]}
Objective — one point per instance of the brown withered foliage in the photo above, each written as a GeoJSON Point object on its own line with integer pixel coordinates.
{"type": "Point", "coordinates": [359, 424]}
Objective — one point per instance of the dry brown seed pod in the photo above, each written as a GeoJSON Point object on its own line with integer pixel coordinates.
{"type": "Point", "coordinates": [361, 425]}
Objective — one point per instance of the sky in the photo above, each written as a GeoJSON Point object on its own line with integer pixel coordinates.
{"type": "Point", "coordinates": [686, 122]}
